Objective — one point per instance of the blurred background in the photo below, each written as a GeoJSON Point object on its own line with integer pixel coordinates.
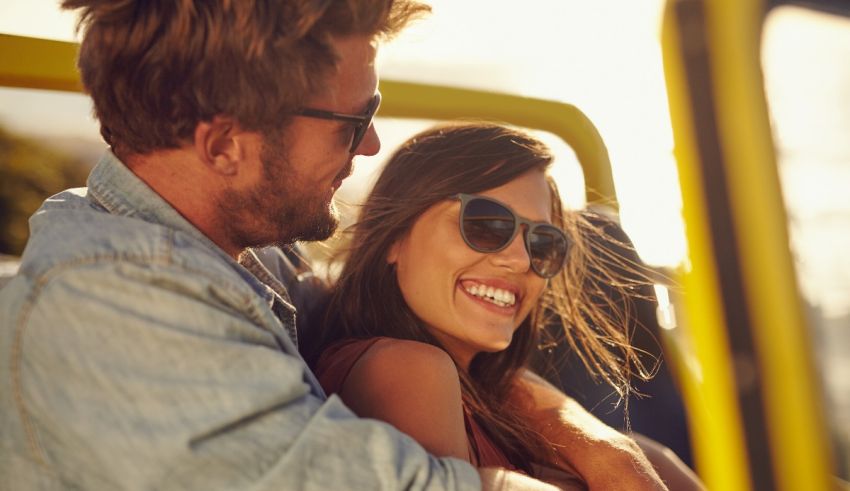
{"type": "Point", "coordinates": [602, 56]}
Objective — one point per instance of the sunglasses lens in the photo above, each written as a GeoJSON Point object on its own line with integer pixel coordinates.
{"type": "Point", "coordinates": [361, 129]}
{"type": "Point", "coordinates": [548, 248]}
{"type": "Point", "coordinates": [487, 226]}
{"type": "Point", "coordinates": [359, 133]}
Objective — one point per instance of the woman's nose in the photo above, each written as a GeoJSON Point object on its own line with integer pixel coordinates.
{"type": "Point", "coordinates": [515, 256]}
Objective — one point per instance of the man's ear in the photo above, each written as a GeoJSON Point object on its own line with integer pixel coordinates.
{"type": "Point", "coordinates": [217, 144]}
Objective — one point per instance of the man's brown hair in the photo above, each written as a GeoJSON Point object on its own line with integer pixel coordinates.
{"type": "Point", "coordinates": [156, 68]}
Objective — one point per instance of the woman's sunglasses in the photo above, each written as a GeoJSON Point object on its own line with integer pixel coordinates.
{"type": "Point", "coordinates": [487, 225]}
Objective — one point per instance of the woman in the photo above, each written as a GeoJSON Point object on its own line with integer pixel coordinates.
{"type": "Point", "coordinates": [462, 255]}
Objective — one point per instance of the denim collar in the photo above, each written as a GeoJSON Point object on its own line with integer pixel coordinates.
{"type": "Point", "coordinates": [115, 188]}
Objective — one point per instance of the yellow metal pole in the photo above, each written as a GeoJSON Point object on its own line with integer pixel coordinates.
{"type": "Point", "coordinates": [38, 64]}
{"type": "Point", "coordinates": [795, 419]}
{"type": "Point", "coordinates": [709, 388]}
{"type": "Point", "coordinates": [755, 406]}
{"type": "Point", "coordinates": [44, 64]}
{"type": "Point", "coordinates": [405, 99]}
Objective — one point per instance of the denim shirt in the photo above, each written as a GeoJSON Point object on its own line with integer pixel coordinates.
{"type": "Point", "coordinates": [136, 354]}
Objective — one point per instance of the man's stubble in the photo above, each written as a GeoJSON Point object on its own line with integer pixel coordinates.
{"type": "Point", "coordinates": [279, 210]}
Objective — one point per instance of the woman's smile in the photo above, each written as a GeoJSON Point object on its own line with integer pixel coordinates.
{"type": "Point", "coordinates": [490, 295]}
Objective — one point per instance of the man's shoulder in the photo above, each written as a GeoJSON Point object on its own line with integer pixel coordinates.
{"type": "Point", "coordinates": [83, 265]}
{"type": "Point", "coordinates": [72, 237]}
{"type": "Point", "coordinates": [69, 233]}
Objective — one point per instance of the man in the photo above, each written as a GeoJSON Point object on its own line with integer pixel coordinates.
{"type": "Point", "coordinates": [144, 345]}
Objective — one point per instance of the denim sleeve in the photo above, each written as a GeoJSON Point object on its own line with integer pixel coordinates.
{"type": "Point", "coordinates": [131, 379]}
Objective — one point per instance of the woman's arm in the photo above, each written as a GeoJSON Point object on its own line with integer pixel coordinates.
{"type": "Point", "coordinates": [604, 457]}
{"type": "Point", "coordinates": [414, 387]}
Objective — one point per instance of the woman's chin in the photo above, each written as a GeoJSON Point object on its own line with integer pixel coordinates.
{"type": "Point", "coordinates": [495, 347]}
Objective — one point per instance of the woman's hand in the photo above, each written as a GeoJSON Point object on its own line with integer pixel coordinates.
{"type": "Point", "coordinates": [604, 457]}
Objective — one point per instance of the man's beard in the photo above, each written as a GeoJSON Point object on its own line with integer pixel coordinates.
{"type": "Point", "coordinates": [278, 210]}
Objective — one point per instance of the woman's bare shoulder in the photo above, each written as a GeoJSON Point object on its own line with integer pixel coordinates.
{"type": "Point", "coordinates": [413, 356]}
{"type": "Point", "coordinates": [404, 367]}
{"type": "Point", "coordinates": [415, 387]}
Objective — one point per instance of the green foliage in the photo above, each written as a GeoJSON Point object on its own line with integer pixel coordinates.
{"type": "Point", "coordinates": [30, 172]}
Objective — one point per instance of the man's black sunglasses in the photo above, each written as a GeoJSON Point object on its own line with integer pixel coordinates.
{"type": "Point", "coordinates": [361, 122]}
{"type": "Point", "coordinates": [488, 225]}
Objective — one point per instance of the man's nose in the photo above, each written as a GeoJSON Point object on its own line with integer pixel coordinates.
{"type": "Point", "coordinates": [370, 144]}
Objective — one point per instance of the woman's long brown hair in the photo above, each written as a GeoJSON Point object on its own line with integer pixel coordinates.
{"type": "Point", "coordinates": [366, 300]}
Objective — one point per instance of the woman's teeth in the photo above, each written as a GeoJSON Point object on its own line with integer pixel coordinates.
{"type": "Point", "coordinates": [502, 298]}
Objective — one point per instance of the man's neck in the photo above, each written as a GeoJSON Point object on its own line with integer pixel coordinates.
{"type": "Point", "coordinates": [188, 186]}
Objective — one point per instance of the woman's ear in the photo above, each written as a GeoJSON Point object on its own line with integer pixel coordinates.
{"type": "Point", "coordinates": [392, 255]}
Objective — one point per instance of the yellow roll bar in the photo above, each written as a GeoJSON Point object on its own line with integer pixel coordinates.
{"type": "Point", "coordinates": [412, 100]}
{"type": "Point", "coordinates": [38, 64]}
{"type": "Point", "coordinates": [755, 409]}
{"type": "Point", "coordinates": [42, 64]}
